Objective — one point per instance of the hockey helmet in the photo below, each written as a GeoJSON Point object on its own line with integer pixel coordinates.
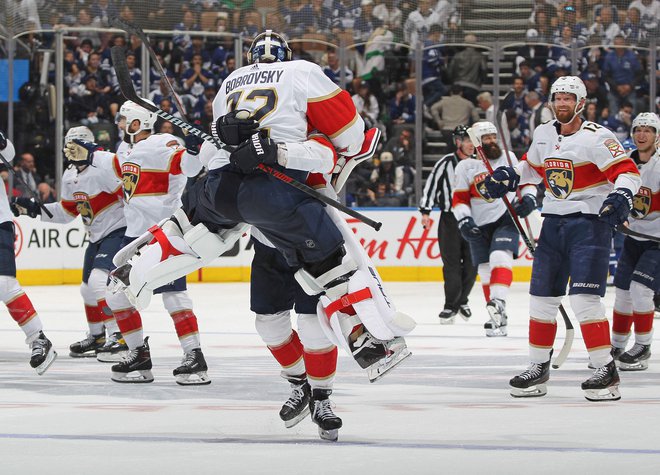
{"type": "Point", "coordinates": [80, 133]}
{"type": "Point", "coordinates": [571, 85]}
{"type": "Point", "coordinates": [459, 133]}
{"type": "Point", "coordinates": [8, 152]}
{"type": "Point", "coordinates": [268, 47]}
{"type": "Point", "coordinates": [131, 112]}
{"type": "Point", "coordinates": [647, 119]}
{"type": "Point", "coordinates": [480, 129]}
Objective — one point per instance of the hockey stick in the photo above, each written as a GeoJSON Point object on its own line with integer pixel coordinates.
{"type": "Point", "coordinates": [626, 230]}
{"type": "Point", "coordinates": [36, 197]}
{"type": "Point", "coordinates": [133, 29]}
{"type": "Point", "coordinates": [570, 331]}
{"type": "Point", "coordinates": [128, 90]}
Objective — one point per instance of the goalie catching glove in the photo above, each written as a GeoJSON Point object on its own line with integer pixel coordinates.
{"type": "Point", "coordinates": [80, 152]}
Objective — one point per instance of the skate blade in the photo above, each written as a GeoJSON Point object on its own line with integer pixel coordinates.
{"type": "Point", "coordinates": [50, 357]}
{"type": "Point", "coordinates": [144, 376]}
{"type": "Point", "coordinates": [607, 394]}
{"type": "Point", "coordinates": [495, 332]}
{"type": "Point", "coordinates": [82, 355]}
{"type": "Point", "coordinates": [377, 371]}
{"type": "Point", "coordinates": [639, 366]}
{"type": "Point", "coordinates": [194, 379]}
{"type": "Point", "coordinates": [532, 391]}
{"type": "Point", "coordinates": [296, 420]}
{"type": "Point", "coordinates": [447, 321]}
{"type": "Point", "coordinates": [111, 357]}
{"type": "Point", "coordinates": [464, 317]}
{"type": "Point", "coordinates": [331, 434]}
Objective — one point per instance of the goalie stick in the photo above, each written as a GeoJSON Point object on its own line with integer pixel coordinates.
{"type": "Point", "coordinates": [570, 331]}
{"type": "Point", "coordinates": [629, 232]}
{"type": "Point", "coordinates": [36, 197]}
{"type": "Point", "coordinates": [128, 90]}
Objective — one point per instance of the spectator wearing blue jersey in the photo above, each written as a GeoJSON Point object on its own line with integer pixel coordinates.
{"type": "Point", "coordinates": [433, 64]}
{"type": "Point", "coordinates": [621, 69]}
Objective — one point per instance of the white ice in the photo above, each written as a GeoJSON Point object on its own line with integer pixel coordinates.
{"type": "Point", "coordinates": [447, 409]}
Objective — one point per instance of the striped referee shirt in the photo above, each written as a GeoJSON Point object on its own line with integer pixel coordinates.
{"type": "Point", "coordinates": [439, 185]}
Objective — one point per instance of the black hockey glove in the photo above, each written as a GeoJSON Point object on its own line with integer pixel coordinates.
{"type": "Point", "coordinates": [469, 229]}
{"type": "Point", "coordinates": [80, 152]}
{"type": "Point", "coordinates": [257, 149]}
{"type": "Point", "coordinates": [25, 206]}
{"type": "Point", "coordinates": [502, 181]}
{"type": "Point", "coordinates": [234, 127]}
{"type": "Point", "coordinates": [193, 144]}
{"type": "Point", "coordinates": [525, 206]}
{"type": "Point", "coordinates": [3, 141]}
{"type": "Point", "coordinates": [616, 207]}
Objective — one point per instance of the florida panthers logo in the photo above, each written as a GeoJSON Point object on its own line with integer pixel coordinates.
{"type": "Point", "coordinates": [559, 176]}
{"type": "Point", "coordinates": [130, 173]}
{"type": "Point", "coordinates": [480, 186]}
{"type": "Point", "coordinates": [642, 203]}
{"type": "Point", "coordinates": [84, 207]}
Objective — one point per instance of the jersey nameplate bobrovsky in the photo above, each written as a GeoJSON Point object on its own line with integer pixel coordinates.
{"type": "Point", "coordinates": [258, 77]}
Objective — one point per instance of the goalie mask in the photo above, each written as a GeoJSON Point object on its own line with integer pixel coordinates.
{"type": "Point", "coordinates": [130, 111]}
{"type": "Point", "coordinates": [268, 47]}
{"type": "Point", "coordinates": [571, 85]}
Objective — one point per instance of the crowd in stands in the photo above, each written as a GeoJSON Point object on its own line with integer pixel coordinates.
{"type": "Point", "coordinates": [379, 72]}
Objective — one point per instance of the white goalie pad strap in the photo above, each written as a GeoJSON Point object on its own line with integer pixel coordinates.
{"type": "Point", "coordinates": [345, 165]}
{"type": "Point", "coordinates": [336, 332]}
{"type": "Point", "coordinates": [315, 285]}
{"type": "Point", "coordinates": [172, 257]}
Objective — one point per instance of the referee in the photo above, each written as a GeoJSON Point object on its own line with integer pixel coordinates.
{"type": "Point", "coordinates": [458, 271]}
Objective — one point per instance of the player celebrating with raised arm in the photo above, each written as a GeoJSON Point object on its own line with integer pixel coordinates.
{"type": "Point", "coordinates": [637, 276]}
{"type": "Point", "coordinates": [17, 302]}
{"type": "Point", "coordinates": [487, 226]}
{"type": "Point", "coordinates": [590, 184]}
{"type": "Point", "coordinates": [95, 195]}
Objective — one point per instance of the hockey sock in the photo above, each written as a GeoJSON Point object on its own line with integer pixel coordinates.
{"type": "Point", "coordinates": [541, 338]}
{"type": "Point", "coordinates": [94, 319]}
{"type": "Point", "coordinates": [290, 355]}
{"type": "Point", "coordinates": [643, 327]}
{"type": "Point", "coordinates": [484, 276]}
{"type": "Point", "coordinates": [185, 324]}
{"type": "Point", "coordinates": [321, 366]}
{"type": "Point", "coordinates": [21, 310]}
{"type": "Point", "coordinates": [621, 325]}
{"type": "Point", "coordinates": [500, 281]}
{"type": "Point", "coordinates": [130, 325]}
{"type": "Point", "coordinates": [107, 316]}
{"type": "Point", "coordinates": [596, 335]}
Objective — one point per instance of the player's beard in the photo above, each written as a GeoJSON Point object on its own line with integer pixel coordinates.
{"type": "Point", "coordinates": [492, 151]}
{"type": "Point", "coordinates": [564, 117]}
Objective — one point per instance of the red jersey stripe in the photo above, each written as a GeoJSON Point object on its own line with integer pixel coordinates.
{"type": "Point", "coordinates": [332, 114]}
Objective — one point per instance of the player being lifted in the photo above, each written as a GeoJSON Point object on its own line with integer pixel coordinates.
{"type": "Point", "coordinates": [637, 276]}
{"type": "Point", "coordinates": [485, 223]}
{"type": "Point", "coordinates": [590, 184]}
{"type": "Point", "coordinates": [95, 195]}
{"type": "Point", "coordinates": [17, 302]}
{"type": "Point", "coordinates": [153, 171]}
{"type": "Point", "coordinates": [284, 99]}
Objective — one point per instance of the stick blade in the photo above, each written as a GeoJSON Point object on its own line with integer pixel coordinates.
{"type": "Point", "coordinates": [126, 86]}
{"type": "Point", "coordinates": [565, 350]}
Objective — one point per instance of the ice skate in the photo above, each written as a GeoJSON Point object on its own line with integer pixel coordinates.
{"type": "Point", "coordinates": [296, 408]}
{"type": "Point", "coordinates": [616, 354]}
{"type": "Point", "coordinates": [43, 353]}
{"type": "Point", "coordinates": [636, 358]}
{"type": "Point", "coordinates": [322, 415]}
{"type": "Point", "coordinates": [447, 316]}
{"type": "Point", "coordinates": [137, 361]}
{"type": "Point", "coordinates": [396, 351]}
{"type": "Point", "coordinates": [497, 325]}
{"type": "Point", "coordinates": [87, 347]}
{"type": "Point", "coordinates": [192, 371]}
{"type": "Point", "coordinates": [531, 382]}
{"type": "Point", "coordinates": [465, 312]}
{"type": "Point", "coordinates": [114, 350]}
{"type": "Point", "coordinates": [603, 384]}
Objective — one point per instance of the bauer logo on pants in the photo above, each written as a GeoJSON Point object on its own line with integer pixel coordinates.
{"type": "Point", "coordinates": [130, 173]}
{"type": "Point", "coordinates": [559, 176]}
{"type": "Point", "coordinates": [641, 203]}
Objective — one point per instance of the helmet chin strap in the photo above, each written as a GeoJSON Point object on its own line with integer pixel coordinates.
{"type": "Point", "coordinates": [576, 112]}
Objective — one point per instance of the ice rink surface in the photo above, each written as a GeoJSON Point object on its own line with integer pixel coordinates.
{"type": "Point", "coordinates": [445, 410]}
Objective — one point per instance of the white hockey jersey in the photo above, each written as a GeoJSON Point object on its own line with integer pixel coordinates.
{"type": "Point", "coordinates": [289, 99]}
{"type": "Point", "coordinates": [470, 198]}
{"type": "Point", "coordinates": [645, 215]}
{"type": "Point", "coordinates": [5, 212]}
{"type": "Point", "coordinates": [579, 170]}
{"type": "Point", "coordinates": [154, 174]}
{"type": "Point", "coordinates": [95, 195]}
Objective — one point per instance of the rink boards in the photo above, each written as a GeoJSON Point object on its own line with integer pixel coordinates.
{"type": "Point", "coordinates": [49, 253]}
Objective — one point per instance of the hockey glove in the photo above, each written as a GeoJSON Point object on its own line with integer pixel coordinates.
{"type": "Point", "coordinates": [525, 206]}
{"type": "Point", "coordinates": [616, 207]}
{"type": "Point", "coordinates": [3, 141]}
{"type": "Point", "coordinates": [502, 181]}
{"type": "Point", "coordinates": [469, 229]}
{"type": "Point", "coordinates": [234, 127]}
{"type": "Point", "coordinates": [80, 152]}
{"type": "Point", "coordinates": [257, 149]}
{"type": "Point", "coordinates": [193, 144]}
{"type": "Point", "coordinates": [24, 206]}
